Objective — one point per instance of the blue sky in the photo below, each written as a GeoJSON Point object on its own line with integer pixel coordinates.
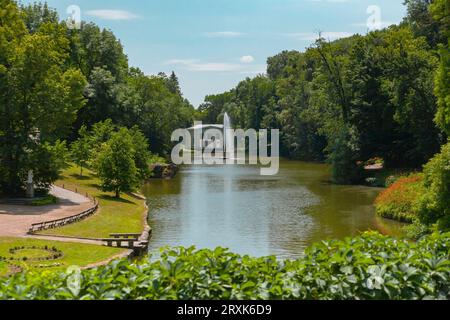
{"type": "Point", "coordinates": [213, 44]}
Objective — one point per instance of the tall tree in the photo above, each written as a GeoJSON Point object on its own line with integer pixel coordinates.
{"type": "Point", "coordinates": [39, 96]}
{"type": "Point", "coordinates": [173, 84]}
{"type": "Point", "coordinates": [441, 12]}
{"type": "Point", "coordinates": [37, 14]}
{"type": "Point", "coordinates": [421, 21]}
{"type": "Point", "coordinates": [81, 149]}
{"type": "Point", "coordinates": [115, 164]}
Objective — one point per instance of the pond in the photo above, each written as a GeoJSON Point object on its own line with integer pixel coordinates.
{"type": "Point", "coordinates": [234, 207]}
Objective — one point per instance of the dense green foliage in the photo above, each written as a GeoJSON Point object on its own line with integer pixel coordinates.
{"type": "Point", "coordinates": [435, 202]}
{"type": "Point", "coordinates": [90, 144]}
{"type": "Point", "coordinates": [440, 10]}
{"type": "Point", "coordinates": [120, 155]}
{"type": "Point", "coordinates": [39, 98]}
{"type": "Point", "coordinates": [54, 81]}
{"type": "Point", "coordinates": [367, 267]}
{"type": "Point", "coordinates": [81, 149]}
{"type": "Point", "coordinates": [115, 164]}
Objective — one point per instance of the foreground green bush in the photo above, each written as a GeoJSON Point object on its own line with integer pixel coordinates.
{"type": "Point", "coordinates": [371, 266]}
{"type": "Point", "coordinates": [435, 203]}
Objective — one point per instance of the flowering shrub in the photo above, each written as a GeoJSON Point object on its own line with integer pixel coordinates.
{"type": "Point", "coordinates": [371, 266]}
{"type": "Point", "coordinates": [400, 200]}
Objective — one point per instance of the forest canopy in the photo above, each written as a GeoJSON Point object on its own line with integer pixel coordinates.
{"type": "Point", "coordinates": [354, 99]}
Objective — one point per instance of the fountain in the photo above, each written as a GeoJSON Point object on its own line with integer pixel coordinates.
{"type": "Point", "coordinates": [228, 137]}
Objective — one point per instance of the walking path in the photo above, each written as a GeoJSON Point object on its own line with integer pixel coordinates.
{"type": "Point", "coordinates": [15, 220]}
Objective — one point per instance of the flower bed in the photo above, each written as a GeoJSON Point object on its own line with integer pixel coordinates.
{"type": "Point", "coordinates": [400, 200]}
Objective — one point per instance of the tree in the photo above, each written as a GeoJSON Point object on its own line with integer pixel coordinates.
{"type": "Point", "coordinates": [102, 94]}
{"type": "Point", "coordinates": [81, 149]}
{"type": "Point", "coordinates": [38, 14]}
{"type": "Point", "coordinates": [115, 164]}
{"type": "Point", "coordinates": [276, 65]}
{"type": "Point", "coordinates": [141, 153]}
{"type": "Point", "coordinates": [92, 47]}
{"type": "Point", "coordinates": [47, 161]}
{"type": "Point", "coordinates": [99, 55]}
{"type": "Point", "coordinates": [39, 97]}
{"type": "Point", "coordinates": [101, 132]}
{"type": "Point", "coordinates": [147, 102]}
{"type": "Point", "coordinates": [435, 204]}
{"type": "Point", "coordinates": [420, 19]}
{"type": "Point", "coordinates": [173, 84]}
{"type": "Point", "coordinates": [440, 11]}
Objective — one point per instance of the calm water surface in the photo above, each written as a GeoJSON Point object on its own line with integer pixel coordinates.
{"type": "Point", "coordinates": [235, 207]}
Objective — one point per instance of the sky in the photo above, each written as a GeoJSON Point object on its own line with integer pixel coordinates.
{"type": "Point", "coordinates": [213, 44]}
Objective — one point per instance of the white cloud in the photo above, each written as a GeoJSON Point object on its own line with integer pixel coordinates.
{"type": "Point", "coordinates": [332, 1]}
{"type": "Point", "coordinates": [247, 59]}
{"type": "Point", "coordinates": [260, 70]}
{"type": "Point", "coordinates": [223, 34]}
{"type": "Point", "coordinates": [310, 36]}
{"type": "Point", "coordinates": [200, 66]}
{"type": "Point", "coordinates": [108, 14]}
{"type": "Point", "coordinates": [196, 65]}
{"type": "Point", "coordinates": [383, 24]}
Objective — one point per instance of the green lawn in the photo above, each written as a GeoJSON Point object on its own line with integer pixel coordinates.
{"type": "Point", "coordinates": [123, 215]}
{"type": "Point", "coordinates": [3, 268]}
{"type": "Point", "coordinates": [74, 254]}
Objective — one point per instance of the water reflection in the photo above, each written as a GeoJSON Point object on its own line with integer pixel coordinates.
{"type": "Point", "coordinates": [235, 207]}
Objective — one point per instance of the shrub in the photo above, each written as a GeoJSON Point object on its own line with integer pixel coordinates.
{"type": "Point", "coordinates": [435, 203]}
{"type": "Point", "coordinates": [49, 199]}
{"type": "Point", "coordinates": [116, 166]}
{"type": "Point", "coordinates": [400, 200]}
{"type": "Point", "coordinates": [371, 266]}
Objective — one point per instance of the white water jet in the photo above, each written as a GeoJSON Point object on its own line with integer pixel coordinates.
{"type": "Point", "coordinates": [228, 144]}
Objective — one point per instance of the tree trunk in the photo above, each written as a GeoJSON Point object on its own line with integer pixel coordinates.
{"type": "Point", "coordinates": [117, 194]}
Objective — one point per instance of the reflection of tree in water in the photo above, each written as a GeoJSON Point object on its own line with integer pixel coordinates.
{"type": "Point", "coordinates": [343, 209]}
{"type": "Point", "coordinates": [334, 211]}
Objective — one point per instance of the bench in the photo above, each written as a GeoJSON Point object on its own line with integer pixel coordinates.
{"type": "Point", "coordinates": [118, 241]}
{"type": "Point", "coordinates": [125, 235]}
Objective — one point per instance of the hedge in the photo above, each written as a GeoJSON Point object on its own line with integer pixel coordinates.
{"type": "Point", "coordinates": [370, 266]}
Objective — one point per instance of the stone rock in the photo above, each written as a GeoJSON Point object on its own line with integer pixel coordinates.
{"type": "Point", "coordinates": [163, 171]}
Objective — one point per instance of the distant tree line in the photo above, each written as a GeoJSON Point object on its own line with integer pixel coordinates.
{"type": "Point", "coordinates": [356, 98]}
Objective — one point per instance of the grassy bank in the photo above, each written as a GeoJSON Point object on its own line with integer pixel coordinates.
{"type": "Point", "coordinates": [124, 215]}
{"type": "Point", "coordinates": [31, 255]}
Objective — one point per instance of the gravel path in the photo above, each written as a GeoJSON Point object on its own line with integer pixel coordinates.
{"type": "Point", "coordinates": [15, 220]}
